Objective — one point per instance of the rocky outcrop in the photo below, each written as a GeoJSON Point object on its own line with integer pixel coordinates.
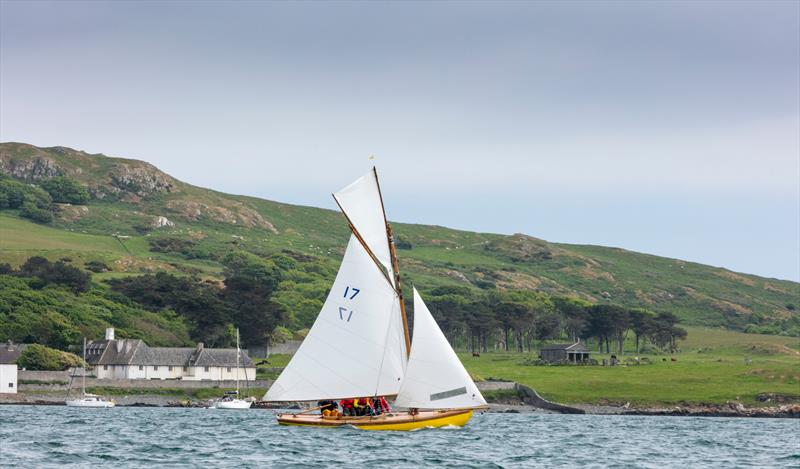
{"type": "Point", "coordinates": [69, 212]}
{"type": "Point", "coordinates": [34, 169]}
{"type": "Point", "coordinates": [237, 214]}
{"type": "Point", "coordinates": [530, 397]}
{"type": "Point", "coordinates": [162, 222]}
{"type": "Point", "coordinates": [141, 179]}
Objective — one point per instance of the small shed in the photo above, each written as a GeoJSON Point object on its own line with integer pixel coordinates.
{"type": "Point", "coordinates": [565, 353]}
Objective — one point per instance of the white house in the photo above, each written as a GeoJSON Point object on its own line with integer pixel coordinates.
{"type": "Point", "coordinates": [8, 366]}
{"type": "Point", "coordinates": [133, 359]}
{"type": "Point", "coordinates": [8, 378]}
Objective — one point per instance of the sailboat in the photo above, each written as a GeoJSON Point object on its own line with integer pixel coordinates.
{"type": "Point", "coordinates": [86, 399]}
{"type": "Point", "coordinates": [231, 399]}
{"type": "Point", "coordinates": [360, 346]}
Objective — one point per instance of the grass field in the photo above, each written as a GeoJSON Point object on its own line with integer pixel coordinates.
{"type": "Point", "coordinates": [715, 366]}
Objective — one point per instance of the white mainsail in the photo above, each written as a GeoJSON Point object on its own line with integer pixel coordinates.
{"type": "Point", "coordinates": [362, 204]}
{"type": "Point", "coordinates": [435, 377]}
{"type": "Point", "coordinates": [356, 346]}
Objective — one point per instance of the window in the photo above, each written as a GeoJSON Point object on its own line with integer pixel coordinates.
{"type": "Point", "coordinates": [155, 367]}
{"type": "Point", "coordinates": [206, 369]}
{"type": "Point", "coordinates": [169, 368]}
{"type": "Point", "coordinates": [10, 385]}
{"type": "Point", "coordinates": [105, 367]}
{"type": "Point", "coordinates": [185, 368]}
{"type": "Point", "coordinates": [229, 369]}
{"type": "Point", "coordinates": [141, 368]}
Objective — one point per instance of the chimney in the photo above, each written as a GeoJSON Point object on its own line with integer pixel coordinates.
{"type": "Point", "coordinates": [199, 347]}
{"type": "Point", "coordinates": [109, 333]}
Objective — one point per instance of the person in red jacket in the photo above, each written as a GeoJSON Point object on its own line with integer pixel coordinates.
{"type": "Point", "coordinates": [347, 407]}
{"type": "Point", "coordinates": [385, 409]}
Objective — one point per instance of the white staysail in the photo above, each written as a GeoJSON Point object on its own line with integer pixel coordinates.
{"type": "Point", "coordinates": [435, 377]}
{"type": "Point", "coordinates": [356, 346]}
{"type": "Point", "coordinates": [362, 204]}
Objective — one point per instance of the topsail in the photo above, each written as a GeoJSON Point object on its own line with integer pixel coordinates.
{"type": "Point", "coordinates": [362, 204]}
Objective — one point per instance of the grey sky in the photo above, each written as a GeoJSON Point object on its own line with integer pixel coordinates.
{"type": "Point", "coordinates": [665, 127]}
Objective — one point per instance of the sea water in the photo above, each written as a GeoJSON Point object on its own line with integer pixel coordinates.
{"type": "Point", "coordinates": [48, 436]}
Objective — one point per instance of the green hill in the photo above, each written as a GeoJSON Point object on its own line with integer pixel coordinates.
{"type": "Point", "coordinates": [139, 219]}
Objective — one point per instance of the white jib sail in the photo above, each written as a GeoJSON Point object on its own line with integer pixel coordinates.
{"type": "Point", "coordinates": [355, 347]}
{"type": "Point", "coordinates": [435, 377]}
{"type": "Point", "coordinates": [361, 203]}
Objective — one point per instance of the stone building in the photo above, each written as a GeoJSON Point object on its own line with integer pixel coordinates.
{"type": "Point", "coordinates": [133, 359]}
{"type": "Point", "coordinates": [565, 353]}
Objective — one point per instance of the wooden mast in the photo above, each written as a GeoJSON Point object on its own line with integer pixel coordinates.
{"type": "Point", "coordinates": [395, 267]}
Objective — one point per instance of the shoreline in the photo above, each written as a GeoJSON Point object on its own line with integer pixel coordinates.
{"type": "Point", "coordinates": [509, 407]}
{"type": "Point", "coordinates": [708, 410]}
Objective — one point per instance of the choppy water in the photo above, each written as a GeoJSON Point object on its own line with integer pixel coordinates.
{"type": "Point", "coordinates": [138, 437]}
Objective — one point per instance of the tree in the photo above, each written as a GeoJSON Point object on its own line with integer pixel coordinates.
{"type": "Point", "coordinates": [642, 323]}
{"type": "Point", "coordinates": [199, 302]}
{"type": "Point", "coordinates": [249, 285]}
{"type": "Point", "coordinates": [45, 273]}
{"type": "Point", "coordinates": [576, 315]}
{"type": "Point", "coordinates": [665, 331]}
{"type": "Point", "coordinates": [66, 190]}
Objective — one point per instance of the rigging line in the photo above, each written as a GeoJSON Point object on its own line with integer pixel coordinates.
{"type": "Point", "coordinates": [364, 244]}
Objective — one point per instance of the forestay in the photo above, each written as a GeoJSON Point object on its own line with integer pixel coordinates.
{"type": "Point", "coordinates": [356, 346]}
{"type": "Point", "coordinates": [435, 377]}
{"type": "Point", "coordinates": [362, 204]}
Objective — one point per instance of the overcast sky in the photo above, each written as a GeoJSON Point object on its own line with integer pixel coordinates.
{"type": "Point", "coordinates": [671, 128]}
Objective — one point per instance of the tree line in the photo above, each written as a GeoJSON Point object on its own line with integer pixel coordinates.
{"type": "Point", "coordinates": [278, 296]}
{"type": "Point", "coordinates": [517, 320]}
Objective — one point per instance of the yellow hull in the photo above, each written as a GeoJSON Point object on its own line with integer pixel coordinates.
{"type": "Point", "coordinates": [394, 421]}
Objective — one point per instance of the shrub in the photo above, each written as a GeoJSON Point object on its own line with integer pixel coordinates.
{"type": "Point", "coordinates": [66, 190]}
{"type": "Point", "coordinates": [37, 214]}
{"type": "Point", "coordinates": [46, 273]}
{"type": "Point", "coordinates": [97, 267]}
{"type": "Point", "coordinates": [39, 357]}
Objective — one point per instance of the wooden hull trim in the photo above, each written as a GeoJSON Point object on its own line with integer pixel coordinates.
{"type": "Point", "coordinates": [397, 421]}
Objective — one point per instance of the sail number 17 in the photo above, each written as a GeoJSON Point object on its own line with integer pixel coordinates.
{"type": "Point", "coordinates": [349, 293]}
{"type": "Point", "coordinates": [353, 290]}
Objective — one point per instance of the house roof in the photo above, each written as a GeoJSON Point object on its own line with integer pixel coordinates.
{"type": "Point", "coordinates": [136, 352]}
{"type": "Point", "coordinates": [9, 352]}
{"type": "Point", "coordinates": [222, 357]}
{"type": "Point", "coordinates": [576, 347]}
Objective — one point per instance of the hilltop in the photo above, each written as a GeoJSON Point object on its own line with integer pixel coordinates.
{"type": "Point", "coordinates": [139, 219]}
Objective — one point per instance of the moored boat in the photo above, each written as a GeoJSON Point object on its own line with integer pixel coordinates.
{"type": "Point", "coordinates": [232, 399]}
{"type": "Point", "coordinates": [90, 400]}
{"type": "Point", "coordinates": [87, 399]}
{"type": "Point", "coordinates": [360, 345]}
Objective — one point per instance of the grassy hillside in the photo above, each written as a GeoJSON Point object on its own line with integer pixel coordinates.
{"type": "Point", "coordinates": [195, 227]}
